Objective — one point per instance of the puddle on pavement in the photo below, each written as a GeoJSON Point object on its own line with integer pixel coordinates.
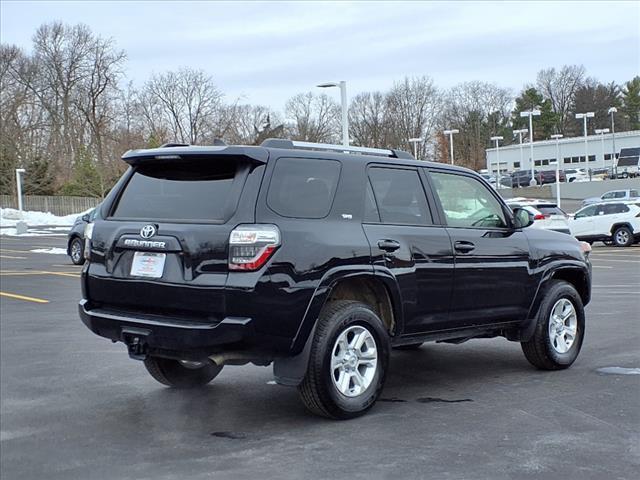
{"type": "Point", "coordinates": [618, 371]}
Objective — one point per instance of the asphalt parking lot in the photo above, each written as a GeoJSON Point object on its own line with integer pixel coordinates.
{"type": "Point", "coordinates": [74, 406]}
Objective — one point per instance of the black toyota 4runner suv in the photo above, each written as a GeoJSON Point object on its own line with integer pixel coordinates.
{"type": "Point", "coordinates": [320, 259]}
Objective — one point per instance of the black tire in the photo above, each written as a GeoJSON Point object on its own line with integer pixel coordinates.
{"type": "Point", "coordinates": [173, 373]}
{"type": "Point", "coordinates": [318, 392]}
{"type": "Point", "coordinates": [411, 346]}
{"type": "Point", "coordinates": [539, 350]}
{"type": "Point", "coordinates": [76, 251]}
{"type": "Point", "coordinates": [622, 237]}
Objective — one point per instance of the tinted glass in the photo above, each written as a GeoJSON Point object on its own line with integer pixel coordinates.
{"type": "Point", "coordinates": [400, 196]}
{"type": "Point", "coordinates": [371, 214]}
{"type": "Point", "coordinates": [179, 191]}
{"type": "Point", "coordinates": [549, 210]}
{"type": "Point", "coordinates": [586, 212]}
{"type": "Point", "coordinates": [633, 193]}
{"type": "Point", "coordinates": [467, 202]}
{"type": "Point", "coordinates": [614, 208]}
{"type": "Point", "coordinates": [303, 187]}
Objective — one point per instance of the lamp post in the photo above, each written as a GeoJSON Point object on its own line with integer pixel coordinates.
{"type": "Point", "coordinates": [531, 113]}
{"type": "Point", "coordinates": [416, 141]}
{"type": "Point", "coordinates": [557, 138]}
{"type": "Point", "coordinates": [519, 133]}
{"type": "Point", "coordinates": [584, 117]}
{"type": "Point", "coordinates": [601, 132]}
{"type": "Point", "coordinates": [19, 172]}
{"type": "Point", "coordinates": [451, 132]}
{"type": "Point", "coordinates": [497, 140]}
{"type": "Point", "coordinates": [343, 98]}
{"type": "Point", "coordinates": [612, 111]}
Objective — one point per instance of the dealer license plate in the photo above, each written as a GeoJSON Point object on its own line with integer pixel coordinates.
{"type": "Point", "coordinates": [148, 264]}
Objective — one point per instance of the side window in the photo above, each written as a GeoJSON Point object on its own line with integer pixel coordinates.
{"type": "Point", "coordinates": [303, 187]}
{"type": "Point", "coordinates": [606, 196]}
{"type": "Point", "coordinates": [371, 214]}
{"type": "Point", "coordinates": [586, 212]}
{"type": "Point", "coordinates": [400, 196]}
{"type": "Point", "coordinates": [633, 193]}
{"type": "Point", "coordinates": [620, 194]}
{"type": "Point", "coordinates": [467, 202]}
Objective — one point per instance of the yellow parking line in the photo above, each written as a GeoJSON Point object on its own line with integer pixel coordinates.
{"type": "Point", "coordinates": [23, 297]}
{"type": "Point", "coordinates": [63, 274]}
{"type": "Point", "coordinates": [13, 257]}
{"type": "Point", "coordinates": [15, 274]}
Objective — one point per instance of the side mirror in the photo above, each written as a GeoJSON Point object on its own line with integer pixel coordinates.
{"type": "Point", "coordinates": [522, 218]}
{"type": "Point", "coordinates": [85, 217]}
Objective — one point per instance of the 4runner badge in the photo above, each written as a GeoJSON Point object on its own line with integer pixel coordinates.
{"type": "Point", "coordinates": [148, 231]}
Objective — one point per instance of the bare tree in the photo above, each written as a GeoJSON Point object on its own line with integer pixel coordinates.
{"type": "Point", "coordinates": [315, 118]}
{"type": "Point", "coordinates": [186, 103]}
{"type": "Point", "coordinates": [560, 86]}
{"type": "Point", "coordinates": [369, 124]}
{"type": "Point", "coordinates": [413, 107]}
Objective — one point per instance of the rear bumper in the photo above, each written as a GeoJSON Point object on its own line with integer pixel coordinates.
{"type": "Point", "coordinates": [166, 334]}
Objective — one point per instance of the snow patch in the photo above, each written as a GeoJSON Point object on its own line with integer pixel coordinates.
{"type": "Point", "coordinates": [53, 250]}
{"type": "Point", "coordinates": [10, 216]}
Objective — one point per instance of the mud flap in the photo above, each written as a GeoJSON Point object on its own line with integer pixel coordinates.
{"type": "Point", "coordinates": [290, 371]}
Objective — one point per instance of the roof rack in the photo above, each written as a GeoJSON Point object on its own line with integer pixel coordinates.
{"type": "Point", "coordinates": [216, 143]}
{"type": "Point", "coordinates": [295, 144]}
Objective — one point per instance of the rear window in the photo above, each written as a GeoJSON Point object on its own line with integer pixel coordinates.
{"type": "Point", "coordinates": [303, 187]}
{"type": "Point", "coordinates": [549, 210]}
{"type": "Point", "coordinates": [181, 191]}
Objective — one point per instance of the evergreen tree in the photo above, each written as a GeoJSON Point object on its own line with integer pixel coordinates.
{"type": "Point", "coordinates": [546, 124]}
{"type": "Point", "coordinates": [631, 103]}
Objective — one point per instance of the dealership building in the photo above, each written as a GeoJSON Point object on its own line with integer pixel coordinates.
{"type": "Point", "coordinates": [572, 152]}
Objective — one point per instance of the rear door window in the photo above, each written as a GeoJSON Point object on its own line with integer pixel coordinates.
{"type": "Point", "coordinates": [550, 210]}
{"type": "Point", "coordinates": [181, 190]}
{"type": "Point", "coordinates": [400, 196]}
{"type": "Point", "coordinates": [303, 187]}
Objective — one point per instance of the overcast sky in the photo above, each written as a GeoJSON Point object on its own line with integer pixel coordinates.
{"type": "Point", "coordinates": [264, 52]}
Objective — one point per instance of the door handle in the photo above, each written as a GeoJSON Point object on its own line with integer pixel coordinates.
{"type": "Point", "coordinates": [464, 247]}
{"type": "Point", "coordinates": [388, 245]}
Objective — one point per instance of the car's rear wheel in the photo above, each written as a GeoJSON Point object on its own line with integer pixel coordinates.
{"type": "Point", "coordinates": [559, 332]}
{"type": "Point", "coordinates": [622, 237]}
{"type": "Point", "coordinates": [76, 251]}
{"type": "Point", "coordinates": [348, 361]}
{"type": "Point", "coordinates": [181, 373]}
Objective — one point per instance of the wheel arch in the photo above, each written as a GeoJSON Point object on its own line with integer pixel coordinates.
{"type": "Point", "coordinates": [616, 226]}
{"type": "Point", "coordinates": [380, 292]}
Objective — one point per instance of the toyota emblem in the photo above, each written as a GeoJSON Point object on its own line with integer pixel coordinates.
{"type": "Point", "coordinates": [148, 231]}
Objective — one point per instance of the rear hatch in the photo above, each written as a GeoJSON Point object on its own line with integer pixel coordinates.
{"type": "Point", "coordinates": [163, 246]}
{"type": "Point", "coordinates": [554, 218]}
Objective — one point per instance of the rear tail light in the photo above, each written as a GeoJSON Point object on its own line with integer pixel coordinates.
{"type": "Point", "coordinates": [540, 216]}
{"type": "Point", "coordinates": [250, 246]}
{"type": "Point", "coordinates": [88, 233]}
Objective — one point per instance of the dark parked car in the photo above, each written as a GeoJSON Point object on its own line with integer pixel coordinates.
{"type": "Point", "coordinates": [75, 237]}
{"type": "Point", "coordinates": [549, 176]}
{"type": "Point", "coordinates": [522, 178]}
{"type": "Point", "coordinates": [320, 261]}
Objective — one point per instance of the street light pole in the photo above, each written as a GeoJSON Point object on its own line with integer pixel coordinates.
{"type": "Point", "coordinates": [497, 140]}
{"type": "Point", "coordinates": [519, 133]}
{"type": "Point", "coordinates": [416, 141]}
{"type": "Point", "coordinates": [584, 117]}
{"type": "Point", "coordinates": [601, 132]}
{"type": "Point", "coordinates": [531, 113]}
{"type": "Point", "coordinates": [19, 171]}
{"type": "Point", "coordinates": [612, 111]}
{"type": "Point", "coordinates": [345, 110]}
{"type": "Point", "coordinates": [450, 133]}
{"type": "Point", "coordinates": [557, 138]}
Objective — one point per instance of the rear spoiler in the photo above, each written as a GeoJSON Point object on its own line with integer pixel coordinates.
{"type": "Point", "coordinates": [256, 155]}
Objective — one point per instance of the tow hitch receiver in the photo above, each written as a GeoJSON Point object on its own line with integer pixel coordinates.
{"type": "Point", "coordinates": [136, 341]}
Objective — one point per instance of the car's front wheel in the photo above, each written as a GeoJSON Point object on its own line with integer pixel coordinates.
{"type": "Point", "coordinates": [559, 332]}
{"type": "Point", "coordinates": [347, 363]}
{"type": "Point", "coordinates": [622, 237]}
{"type": "Point", "coordinates": [76, 251]}
{"type": "Point", "coordinates": [181, 373]}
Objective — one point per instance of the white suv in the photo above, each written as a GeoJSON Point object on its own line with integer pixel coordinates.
{"type": "Point", "coordinates": [545, 214]}
{"type": "Point", "coordinates": [616, 222]}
